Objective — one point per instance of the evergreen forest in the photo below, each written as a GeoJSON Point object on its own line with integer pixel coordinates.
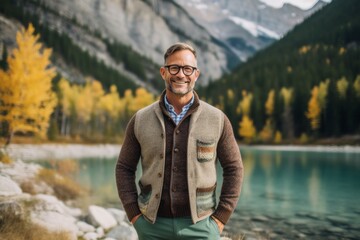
{"type": "Point", "coordinates": [306, 85]}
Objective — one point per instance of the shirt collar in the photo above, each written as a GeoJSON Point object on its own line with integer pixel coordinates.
{"type": "Point", "coordinates": [170, 107]}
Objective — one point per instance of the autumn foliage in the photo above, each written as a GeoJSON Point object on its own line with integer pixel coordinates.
{"type": "Point", "coordinates": [26, 98]}
{"type": "Point", "coordinates": [95, 112]}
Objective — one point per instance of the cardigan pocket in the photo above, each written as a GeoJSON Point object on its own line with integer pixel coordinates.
{"type": "Point", "coordinates": [205, 150]}
{"type": "Point", "coordinates": [205, 200]}
{"type": "Point", "coordinates": [144, 197]}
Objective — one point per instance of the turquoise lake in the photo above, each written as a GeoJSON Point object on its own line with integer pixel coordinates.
{"type": "Point", "coordinates": [286, 193]}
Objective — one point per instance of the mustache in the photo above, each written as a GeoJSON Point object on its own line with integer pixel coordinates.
{"type": "Point", "coordinates": [178, 79]}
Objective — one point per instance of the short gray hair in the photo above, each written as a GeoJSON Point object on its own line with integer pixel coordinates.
{"type": "Point", "coordinates": [178, 47]}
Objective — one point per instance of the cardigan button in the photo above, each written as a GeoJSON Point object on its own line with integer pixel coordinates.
{"type": "Point", "coordinates": [161, 155]}
{"type": "Point", "coordinates": [177, 131]}
{"type": "Point", "coordinates": [175, 169]}
{"type": "Point", "coordinates": [176, 150]}
{"type": "Point", "coordinates": [159, 175]}
{"type": "Point", "coordinates": [157, 196]}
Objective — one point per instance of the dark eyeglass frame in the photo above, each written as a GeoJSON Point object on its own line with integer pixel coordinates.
{"type": "Point", "coordinates": [180, 67]}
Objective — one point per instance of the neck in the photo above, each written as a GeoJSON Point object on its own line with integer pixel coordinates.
{"type": "Point", "coordinates": [178, 101]}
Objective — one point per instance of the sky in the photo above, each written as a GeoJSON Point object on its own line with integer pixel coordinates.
{"type": "Point", "coordinates": [303, 4]}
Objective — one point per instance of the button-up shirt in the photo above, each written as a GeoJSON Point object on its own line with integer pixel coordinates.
{"type": "Point", "coordinates": [171, 110]}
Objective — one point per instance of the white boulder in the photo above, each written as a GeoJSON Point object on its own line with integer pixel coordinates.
{"type": "Point", "coordinates": [55, 222]}
{"type": "Point", "coordinates": [118, 214]}
{"type": "Point", "coordinates": [85, 227]}
{"type": "Point", "coordinates": [99, 216]}
{"type": "Point", "coordinates": [8, 187]}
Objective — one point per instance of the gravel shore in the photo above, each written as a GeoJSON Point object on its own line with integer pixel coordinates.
{"type": "Point", "coordinates": [27, 152]}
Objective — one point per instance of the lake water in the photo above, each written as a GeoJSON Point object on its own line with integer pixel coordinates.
{"type": "Point", "coordinates": [285, 195]}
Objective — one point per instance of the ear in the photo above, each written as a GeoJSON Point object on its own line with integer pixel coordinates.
{"type": "Point", "coordinates": [162, 72]}
{"type": "Point", "coordinates": [197, 74]}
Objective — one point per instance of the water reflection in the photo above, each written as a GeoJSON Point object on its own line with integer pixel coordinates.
{"type": "Point", "coordinates": [282, 189]}
{"type": "Point", "coordinates": [289, 182]}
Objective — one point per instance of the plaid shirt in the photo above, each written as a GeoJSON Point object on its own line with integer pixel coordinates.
{"type": "Point", "coordinates": [177, 118]}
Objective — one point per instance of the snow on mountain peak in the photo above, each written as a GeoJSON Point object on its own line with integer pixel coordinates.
{"type": "Point", "coordinates": [255, 29]}
{"type": "Point", "coordinates": [302, 4]}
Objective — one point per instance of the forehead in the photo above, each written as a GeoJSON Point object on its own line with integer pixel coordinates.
{"type": "Point", "coordinates": [181, 57]}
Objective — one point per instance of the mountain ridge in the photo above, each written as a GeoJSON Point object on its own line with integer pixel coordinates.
{"type": "Point", "coordinates": [145, 28]}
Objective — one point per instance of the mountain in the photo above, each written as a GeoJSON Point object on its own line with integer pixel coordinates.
{"type": "Point", "coordinates": [121, 42]}
{"type": "Point", "coordinates": [321, 52]}
{"type": "Point", "coordinates": [246, 26]}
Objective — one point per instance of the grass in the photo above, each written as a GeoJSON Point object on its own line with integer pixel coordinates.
{"type": "Point", "coordinates": [4, 157]}
{"type": "Point", "coordinates": [18, 227]}
{"type": "Point", "coordinates": [64, 187]}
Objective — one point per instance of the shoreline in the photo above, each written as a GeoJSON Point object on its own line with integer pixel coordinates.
{"type": "Point", "coordinates": [56, 151]}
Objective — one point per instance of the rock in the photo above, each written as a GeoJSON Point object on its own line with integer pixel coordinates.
{"type": "Point", "coordinates": [55, 222]}
{"type": "Point", "coordinates": [335, 230]}
{"type": "Point", "coordinates": [100, 232]}
{"type": "Point", "coordinates": [100, 217]}
{"type": "Point", "coordinates": [260, 219]}
{"type": "Point", "coordinates": [297, 221]}
{"type": "Point", "coordinates": [118, 214]}
{"type": "Point", "coordinates": [8, 187]}
{"type": "Point", "coordinates": [51, 203]}
{"type": "Point", "coordinates": [85, 227]}
{"type": "Point", "coordinates": [122, 233]}
{"type": "Point", "coordinates": [90, 236]}
{"type": "Point", "coordinates": [338, 220]}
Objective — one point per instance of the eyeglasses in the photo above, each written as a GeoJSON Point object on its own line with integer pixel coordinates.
{"type": "Point", "coordinates": [174, 69]}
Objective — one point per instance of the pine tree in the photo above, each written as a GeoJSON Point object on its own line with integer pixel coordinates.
{"type": "Point", "coordinates": [26, 98]}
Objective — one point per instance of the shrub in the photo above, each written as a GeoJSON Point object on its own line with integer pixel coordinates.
{"type": "Point", "coordinates": [4, 157]}
{"type": "Point", "coordinates": [64, 188]}
{"type": "Point", "coordinates": [17, 227]}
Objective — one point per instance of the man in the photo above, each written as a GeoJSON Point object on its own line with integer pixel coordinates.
{"type": "Point", "coordinates": [178, 140]}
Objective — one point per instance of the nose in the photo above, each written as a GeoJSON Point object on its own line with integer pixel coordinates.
{"type": "Point", "coordinates": [181, 73]}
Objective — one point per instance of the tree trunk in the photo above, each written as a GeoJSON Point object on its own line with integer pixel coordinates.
{"type": "Point", "coordinates": [8, 139]}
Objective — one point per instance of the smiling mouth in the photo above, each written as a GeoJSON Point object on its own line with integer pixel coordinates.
{"type": "Point", "coordinates": [180, 83]}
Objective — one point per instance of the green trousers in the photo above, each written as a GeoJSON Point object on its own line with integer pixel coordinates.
{"type": "Point", "coordinates": [176, 229]}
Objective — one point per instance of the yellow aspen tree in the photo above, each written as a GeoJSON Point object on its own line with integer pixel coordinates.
{"type": "Point", "coordinates": [287, 123]}
{"type": "Point", "coordinates": [247, 129]}
{"type": "Point", "coordinates": [246, 126]}
{"type": "Point", "coordinates": [313, 113]}
{"type": "Point", "coordinates": [267, 132]}
{"type": "Point", "coordinates": [111, 107]}
{"type": "Point", "coordinates": [110, 103]}
{"type": "Point", "coordinates": [322, 93]}
{"type": "Point", "coordinates": [125, 102]}
{"type": "Point", "coordinates": [68, 96]}
{"type": "Point", "coordinates": [221, 104]}
{"type": "Point", "coordinates": [269, 105]}
{"type": "Point", "coordinates": [230, 95]}
{"type": "Point", "coordinates": [342, 86]}
{"type": "Point", "coordinates": [245, 103]}
{"type": "Point", "coordinates": [26, 98]}
{"type": "Point", "coordinates": [97, 93]}
{"type": "Point", "coordinates": [287, 94]}
{"type": "Point", "coordinates": [142, 99]}
{"type": "Point", "coordinates": [357, 85]}
{"type": "Point", "coordinates": [278, 137]}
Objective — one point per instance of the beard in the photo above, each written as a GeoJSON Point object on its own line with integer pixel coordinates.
{"type": "Point", "coordinates": [180, 91]}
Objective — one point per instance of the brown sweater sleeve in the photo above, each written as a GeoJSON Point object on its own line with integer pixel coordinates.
{"type": "Point", "coordinates": [125, 171]}
{"type": "Point", "coordinates": [233, 171]}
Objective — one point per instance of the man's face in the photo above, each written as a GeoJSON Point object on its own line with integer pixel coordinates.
{"type": "Point", "coordinates": [179, 83]}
